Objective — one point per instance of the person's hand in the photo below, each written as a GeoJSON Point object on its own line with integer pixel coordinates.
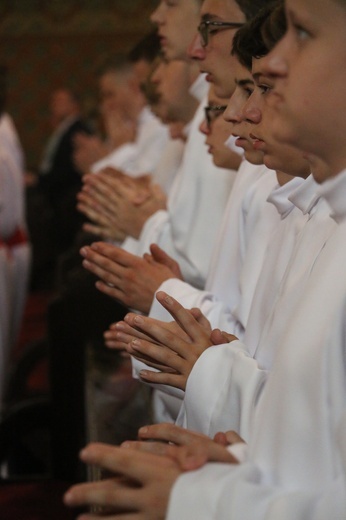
{"type": "Point", "coordinates": [96, 201]}
{"type": "Point", "coordinates": [128, 278]}
{"type": "Point", "coordinates": [189, 449]}
{"type": "Point", "coordinates": [101, 222]}
{"type": "Point", "coordinates": [160, 256]}
{"type": "Point", "coordinates": [125, 202]}
{"type": "Point", "coordinates": [220, 337]}
{"type": "Point", "coordinates": [166, 348]}
{"type": "Point", "coordinates": [140, 487]}
{"type": "Point", "coordinates": [133, 207]}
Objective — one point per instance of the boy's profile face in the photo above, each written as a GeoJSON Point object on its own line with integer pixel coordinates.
{"type": "Point", "coordinates": [235, 115]}
{"type": "Point", "coordinates": [277, 155]}
{"type": "Point", "coordinates": [215, 58]}
{"type": "Point", "coordinates": [173, 82]}
{"type": "Point", "coordinates": [177, 22]}
{"type": "Point", "coordinates": [217, 132]}
{"type": "Point", "coordinates": [308, 67]}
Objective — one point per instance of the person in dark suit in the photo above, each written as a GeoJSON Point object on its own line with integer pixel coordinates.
{"type": "Point", "coordinates": [59, 179]}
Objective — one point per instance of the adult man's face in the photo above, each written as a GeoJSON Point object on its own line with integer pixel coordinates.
{"type": "Point", "coordinates": [177, 21]}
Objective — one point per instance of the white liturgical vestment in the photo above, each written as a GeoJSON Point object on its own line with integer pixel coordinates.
{"type": "Point", "coordinates": [143, 155]}
{"type": "Point", "coordinates": [226, 400]}
{"type": "Point", "coordinates": [188, 229]}
{"type": "Point", "coordinates": [15, 252]}
{"type": "Point", "coordinates": [296, 464]}
{"type": "Point", "coordinates": [254, 227]}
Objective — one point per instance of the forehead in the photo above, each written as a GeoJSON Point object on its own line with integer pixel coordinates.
{"type": "Point", "coordinates": [220, 9]}
{"type": "Point", "coordinates": [322, 13]}
{"type": "Point", "coordinates": [241, 73]}
{"type": "Point", "coordinates": [258, 66]}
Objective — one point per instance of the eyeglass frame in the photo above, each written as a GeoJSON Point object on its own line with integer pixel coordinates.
{"type": "Point", "coordinates": [203, 28]}
{"type": "Point", "coordinates": [214, 109]}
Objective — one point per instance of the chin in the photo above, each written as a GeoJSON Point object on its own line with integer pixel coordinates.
{"type": "Point", "coordinates": [253, 158]}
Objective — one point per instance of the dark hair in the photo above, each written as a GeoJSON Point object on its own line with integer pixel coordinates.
{"type": "Point", "coordinates": [250, 8]}
{"type": "Point", "coordinates": [258, 36]}
{"type": "Point", "coordinates": [275, 26]}
{"type": "Point", "coordinates": [148, 48]}
{"type": "Point", "coordinates": [117, 64]}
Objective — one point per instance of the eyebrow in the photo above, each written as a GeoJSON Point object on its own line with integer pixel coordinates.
{"type": "Point", "coordinates": [256, 75]}
{"type": "Point", "coordinates": [259, 76]}
{"type": "Point", "coordinates": [209, 17]}
{"type": "Point", "coordinates": [243, 82]}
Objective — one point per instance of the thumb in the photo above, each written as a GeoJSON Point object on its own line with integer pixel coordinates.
{"type": "Point", "coordinates": [160, 256]}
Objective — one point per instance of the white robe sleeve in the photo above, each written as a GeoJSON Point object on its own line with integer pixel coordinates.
{"type": "Point", "coordinates": [216, 397]}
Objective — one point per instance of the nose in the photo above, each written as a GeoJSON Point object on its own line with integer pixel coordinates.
{"type": "Point", "coordinates": [253, 115]}
{"type": "Point", "coordinates": [203, 127]}
{"type": "Point", "coordinates": [233, 113]}
{"type": "Point", "coordinates": [156, 16]}
{"type": "Point", "coordinates": [195, 50]}
{"type": "Point", "coordinates": [157, 75]}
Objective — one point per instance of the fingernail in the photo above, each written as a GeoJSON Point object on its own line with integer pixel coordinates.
{"type": "Point", "coordinates": [84, 251]}
{"type": "Point", "coordinates": [168, 300]}
{"type": "Point", "coordinates": [68, 497]}
{"type": "Point", "coordinates": [139, 320]}
{"type": "Point", "coordinates": [125, 445]}
{"type": "Point", "coordinates": [135, 343]}
{"type": "Point", "coordinates": [144, 429]}
{"type": "Point", "coordinates": [144, 374]}
{"type": "Point", "coordinates": [118, 326]}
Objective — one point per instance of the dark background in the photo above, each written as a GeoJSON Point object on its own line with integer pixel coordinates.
{"type": "Point", "coordinates": [52, 43]}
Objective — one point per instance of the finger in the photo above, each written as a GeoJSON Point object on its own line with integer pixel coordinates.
{"type": "Point", "coordinates": [123, 327]}
{"type": "Point", "coordinates": [219, 337]}
{"type": "Point", "coordinates": [138, 467]}
{"type": "Point", "coordinates": [157, 448]}
{"type": "Point", "coordinates": [164, 378]}
{"type": "Point", "coordinates": [115, 254]}
{"type": "Point", "coordinates": [108, 495]}
{"type": "Point", "coordinates": [161, 256]}
{"type": "Point", "coordinates": [201, 319]}
{"type": "Point", "coordinates": [146, 360]}
{"type": "Point", "coordinates": [161, 335]}
{"type": "Point", "coordinates": [198, 453]}
{"type": "Point", "coordinates": [113, 342]}
{"type": "Point", "coordinates": [105, 268]}
{"type": "Point", "coordinates": [221, 439]}
{"type": "Point", "coordinates": [233, 438]}
{"type": "Point", "coordinates": [170, 433]}
{"type": "Point", "coordinates": [95, 230]}
{"type": "Point", "coordinates": [111, 290]}
{"type": "Point", "coordinates": [184, 318]}
{"type": "Point", "coordinates": [158, 353]}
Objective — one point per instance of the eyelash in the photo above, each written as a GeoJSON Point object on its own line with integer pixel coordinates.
{"type": "Point", "coordinates": [264, 89]}
{"type": "Point", "coordinates": [248, 92]}
{"type": "Point", "coordinates": [300, 32]}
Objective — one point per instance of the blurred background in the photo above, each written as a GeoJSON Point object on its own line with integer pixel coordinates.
{"type": "Point", "coordinates": [47, 44]}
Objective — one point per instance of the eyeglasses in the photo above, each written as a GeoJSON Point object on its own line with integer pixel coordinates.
{"type": "Point", "coordinates": [212, 112]}
{"type": "Point", "coordinates": [206, 27]}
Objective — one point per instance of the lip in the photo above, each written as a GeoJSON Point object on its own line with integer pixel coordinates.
{"type": "Point", "coordinates": [163, 40]}
{"type": "Point", "coordinates": [257, 143]}
{"type": "Point", "coordinates": [240, 141]}
{"type": "Point", "coordinates": [208, 75]}
{"type": "Point", "coordinates": [210, 148]}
